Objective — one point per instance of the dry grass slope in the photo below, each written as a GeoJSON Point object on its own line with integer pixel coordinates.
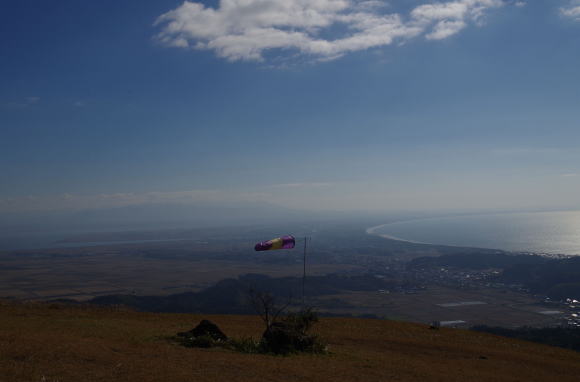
{"type": "Point", "coordinates": [54, 343]}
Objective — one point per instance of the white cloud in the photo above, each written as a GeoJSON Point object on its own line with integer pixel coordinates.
{"type": "Point", "coordinates": [246, 29]}
{"type": "Point", "coordinates": [372, 4]}
{"type": "Point", "coordinates": [572, 10]}
{"type": "Point", "coordinates": [445, 28]}
{"type": "Point", "coordinates": [454, 10]}
{"type": "Point", "coordinates": [520, 4]}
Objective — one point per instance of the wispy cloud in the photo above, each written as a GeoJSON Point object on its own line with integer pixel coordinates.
{"type": "Point", "coordinates": [570, 175]}
{"type": "Point", "coordinates": [27, 101]}
{"type": "Point", "coordinates": [572, 10]}
{"type": "Point", "coordinates": [246, 29]}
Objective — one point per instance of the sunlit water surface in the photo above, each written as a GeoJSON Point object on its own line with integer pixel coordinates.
{"type": "Point", "coordinates": [541, 232]}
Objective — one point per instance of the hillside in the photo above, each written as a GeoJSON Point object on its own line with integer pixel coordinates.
{"type": "Point", "coordinates": [40, 342]}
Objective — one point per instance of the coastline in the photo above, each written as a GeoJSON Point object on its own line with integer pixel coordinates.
{"type": "Point", "coordinates": [372, 231]}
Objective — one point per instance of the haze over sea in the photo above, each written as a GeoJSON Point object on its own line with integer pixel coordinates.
{"type": "Point", "coordinates": [539, 232]}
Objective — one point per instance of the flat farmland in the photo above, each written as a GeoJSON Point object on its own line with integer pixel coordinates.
{"type": "Point", "coordinates": [161, 268]}
{"type": "Point", "coordinates": [476, 307]}
{"type": "Point", "coordinates": [84, 273]}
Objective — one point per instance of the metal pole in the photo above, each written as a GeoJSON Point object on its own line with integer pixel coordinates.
{"type": "Point", "coordinates": [304, 274]}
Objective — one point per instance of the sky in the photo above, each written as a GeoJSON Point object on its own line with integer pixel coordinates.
{"type": "Point", "coordinates": [334, 105]}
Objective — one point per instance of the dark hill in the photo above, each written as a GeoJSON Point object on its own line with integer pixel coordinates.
{"type": "Point", "coordinates": [230, 296]}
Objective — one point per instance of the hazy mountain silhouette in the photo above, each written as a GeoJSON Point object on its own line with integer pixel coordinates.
{"type": "Point", "coordinates": [149, 216]}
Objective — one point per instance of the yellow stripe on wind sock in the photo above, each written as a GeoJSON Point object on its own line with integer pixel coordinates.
{"type": "Point", "coordinates": [277, 243]}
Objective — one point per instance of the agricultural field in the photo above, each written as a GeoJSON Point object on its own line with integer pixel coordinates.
{"type": "Point", "coordinates": [476, 307]}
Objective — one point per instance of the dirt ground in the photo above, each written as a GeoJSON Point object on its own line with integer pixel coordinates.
{"type": "Point", "coordinates": [40, 342]}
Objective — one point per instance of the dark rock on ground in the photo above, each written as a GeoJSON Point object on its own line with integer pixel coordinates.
{"type": "Point", "coordinates": [205, 328]}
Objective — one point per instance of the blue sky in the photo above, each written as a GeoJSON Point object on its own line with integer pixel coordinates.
{"type": "Point", "coordinates": [333, 104]}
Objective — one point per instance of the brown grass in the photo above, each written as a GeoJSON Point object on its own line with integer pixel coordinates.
{"type": "Point", "coordinates": [50, 343]}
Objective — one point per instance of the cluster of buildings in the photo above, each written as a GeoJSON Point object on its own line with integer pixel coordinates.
{"type": "Point", "coordinates": [572, 315]}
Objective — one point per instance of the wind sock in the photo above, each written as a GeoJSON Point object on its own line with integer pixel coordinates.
{"type": "Point", "coordinates": [284, 242]}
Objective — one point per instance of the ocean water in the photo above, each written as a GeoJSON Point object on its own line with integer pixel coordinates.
{"type": "Point", "coordinates": [539, 232]}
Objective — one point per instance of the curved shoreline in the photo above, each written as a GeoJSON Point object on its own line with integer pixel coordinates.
{"type": "Point", "coordinates": [371, 231]}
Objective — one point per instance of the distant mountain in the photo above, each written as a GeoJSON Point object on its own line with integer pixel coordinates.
{"type": "Point", "coordinates": [148, 216]}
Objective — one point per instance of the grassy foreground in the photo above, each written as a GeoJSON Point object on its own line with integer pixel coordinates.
{"type": "Point", "coordinates": [50, 343]}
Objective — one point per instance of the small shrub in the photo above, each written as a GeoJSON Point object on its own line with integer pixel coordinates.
{"type": "Point", "coordinates": [302, 321]}
{"type": "Point", "coordinates": [198, 342]}
{"type": "Point", "coordinates": [245, 345]}
{"type": "Point", "coordinates": [290, 335]}
{"type": "Point", "coordinates": [319, 346]}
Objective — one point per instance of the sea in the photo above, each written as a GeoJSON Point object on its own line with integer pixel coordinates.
{"type": "Point", "coordinates": [536, 232]}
